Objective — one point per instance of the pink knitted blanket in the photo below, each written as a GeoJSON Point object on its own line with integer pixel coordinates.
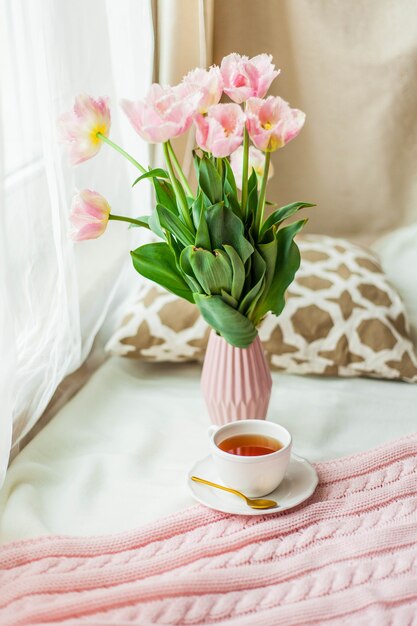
{"type": "Point", "coordinates": [347, 556]}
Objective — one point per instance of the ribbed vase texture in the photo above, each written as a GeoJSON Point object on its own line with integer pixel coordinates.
{"type": "Point", "coordinates": [236, 382]}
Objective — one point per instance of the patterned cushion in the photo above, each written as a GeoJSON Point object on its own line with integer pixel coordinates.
{"type": "Point", "coordinates": [342, 318]}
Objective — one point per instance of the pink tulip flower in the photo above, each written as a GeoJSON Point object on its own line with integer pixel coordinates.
{"type": "Point", "coordinates": [78, 128]}
{"type": "Point", "coordinates": [272, 123]}
{"type": "Point", "coordinates": [89, 215]}
{"type": "Point", "coordinates": [245, 78]}
{"type": "Point", "coordinates": [166, 112]}
{"type": "Point", "coordinates": [256, 162]}
{"type": "Point", "coordinates": [208, 83]}
{"type": "Point", "coordinates": [221, 130]}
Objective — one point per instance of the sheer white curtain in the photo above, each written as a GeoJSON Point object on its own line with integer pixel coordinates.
{"type": "Point", "coordinates": [54, 295]}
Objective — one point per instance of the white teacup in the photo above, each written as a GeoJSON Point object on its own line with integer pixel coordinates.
{"type": "Point", "coordinates": [253, 475]}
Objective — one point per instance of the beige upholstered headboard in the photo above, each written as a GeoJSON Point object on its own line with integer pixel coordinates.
{"type": "Point", "coordinates": [351, 65]}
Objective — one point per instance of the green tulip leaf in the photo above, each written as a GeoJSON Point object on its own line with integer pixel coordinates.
{"type": "Point", "coordinates": [253, 181]}
{"type": "Point", "coordinates": [165, 195]}
{"type": "Point", "coordinates": [286, 265]}
{"type": "Point", "coordinates": [157, 262]}
{"type": "Point", "coordinates": [230, 300]}
{"type": "Point", "coordinates": [226, 321]}
{"type": "Point", "coordinates": [155, 225]}
{"type": "Point", "coordinates": [252, 205]}
{"type": "Point", "coordinates": [226, 228]}
{"type": "Point", "coordinates": [252, 199]}
{"type": "Point", "coordinates": [257, 276]}
{"type": "Point", "coordinates": [282, 214]}
{"type": "Point", "coordinates": [196, 163]}
{"type": "Point", "coordinates": [210, 180]}
{"type": "Point", "coordinates": [202, 238]}
{"type": "Point", "coordinates": [230, 177]}
{"type": "Point", "coordinates": [185, 267]}
{"type": "Point", "coordinates": [155, 173]}
{"type": "Point", "coordinates": [212, 270]}
{"type": "Point", "coordinates": [268, 252]}
{"type": "Point", "coordinates": [197, 208]}
{"type": "Point", "coordinates": [238, 268]}
{"type": "Point", "coordinates": [185, 261]}
{"type": "Point", "coordinates": [174, 225]}
{"type": "Point", "coordinates": [232, 202]}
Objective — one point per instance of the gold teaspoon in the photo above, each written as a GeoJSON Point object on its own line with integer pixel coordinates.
{"type": "Point", "coordinates": [254, 503]}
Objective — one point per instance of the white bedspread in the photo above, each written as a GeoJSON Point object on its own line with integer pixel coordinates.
{"type": "Point", "coordinates": [115, 457]}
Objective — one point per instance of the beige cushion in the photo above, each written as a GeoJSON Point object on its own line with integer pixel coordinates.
{"type": "Point", "coordinates": [342, 318]}
{"type": "Point", "coordinates": [398, 254]}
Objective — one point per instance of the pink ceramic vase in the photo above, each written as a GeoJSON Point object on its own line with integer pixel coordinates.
{"type": "Point", "coordinates": [236, 382]}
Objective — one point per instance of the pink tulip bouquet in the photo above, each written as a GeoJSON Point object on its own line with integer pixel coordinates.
{"type": "Point", "coordinates": [217, 249]}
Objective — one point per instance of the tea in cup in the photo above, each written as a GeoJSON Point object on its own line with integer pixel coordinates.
{"type": "Point", "coordinates": [251, 456]}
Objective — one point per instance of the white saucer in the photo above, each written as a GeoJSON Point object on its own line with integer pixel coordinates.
{"type": "Point", "coordinates": [299, 484]}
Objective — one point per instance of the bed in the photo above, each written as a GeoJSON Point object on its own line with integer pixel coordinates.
{"type": "Point", "coordinates": [97, 525]}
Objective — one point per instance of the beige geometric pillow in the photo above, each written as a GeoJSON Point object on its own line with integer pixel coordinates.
{"type": "Point", "coordinates": [158, 326]}
{"type": "Point", "coordinates": [342, 318]}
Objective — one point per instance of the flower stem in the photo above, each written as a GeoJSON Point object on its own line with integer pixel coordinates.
{"type": "Point", "coordinates": [180, 172]}
{"type": "Point", "coordinates": [122, 218]}
{"type": "Point", "coordinates": [262, 193]}
{"type": "Point", "coordinates": [179, 191]}
{"type": "Point", "coordinates": [121, 151]}
{"type": "Point", "coordinates": [245, 169]}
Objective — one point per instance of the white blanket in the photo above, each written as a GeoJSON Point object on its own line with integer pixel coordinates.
{"type": "Point", "coordinates": [116, 456]}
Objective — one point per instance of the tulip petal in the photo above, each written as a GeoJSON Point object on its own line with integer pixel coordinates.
{"type": "Point", "coordinates": [78, 128]}
{"type": "Point", "coordinates": [164, 113]}
{"type": "Point", "coordinates": [207, 83]}
{"type": "Point", "coordinates": [271, 123]}
{"type": "Point", "coordinates": [89, 215]}
{"type": "Point", "coordinates": [221, 130]}
{"type": "Point", "coordinates": [244, 78]}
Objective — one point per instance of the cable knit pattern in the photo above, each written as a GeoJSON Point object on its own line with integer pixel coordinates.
{"type": "Point", "coordinates": [347, 556]}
